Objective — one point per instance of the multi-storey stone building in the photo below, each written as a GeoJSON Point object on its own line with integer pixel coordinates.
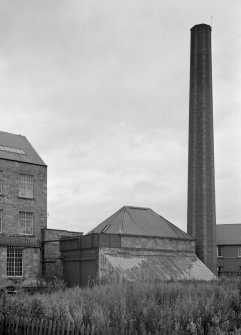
{"type": "Point", "coordinates": [23, 207]}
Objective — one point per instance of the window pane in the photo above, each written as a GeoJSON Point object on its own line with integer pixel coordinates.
{"type": "Point", "coordinates": [26, 186]}
{"type": "Point", "coordinates": [26, 223]}
{"type": "Point", "coordinates": [219, 251]}
{"type": "Point", "coordinates": [14, 262]}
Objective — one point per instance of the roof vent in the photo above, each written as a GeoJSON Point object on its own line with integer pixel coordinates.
{"type": "Point", "coordinates": [105, 228]}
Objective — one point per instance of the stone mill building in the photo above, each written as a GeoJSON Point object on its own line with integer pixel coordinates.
{"type": "Point", "coordinates": [27, 248]}
{"type": "Point", "coordinates": [23, 207]}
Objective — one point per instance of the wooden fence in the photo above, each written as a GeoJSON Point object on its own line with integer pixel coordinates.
{"type": "Point", "coordinates": [12, 326]}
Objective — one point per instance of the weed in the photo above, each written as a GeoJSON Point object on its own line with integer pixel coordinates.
{"type": "Point", "coordinates": [138, 308]}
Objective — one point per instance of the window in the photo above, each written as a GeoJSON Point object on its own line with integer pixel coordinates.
{"type": "Point", "coordinates": [219, 251]}
{"type": "Point", "coordinates": [26, 223]}
{"type": "Point", "coordinates": [239, 251]}
{"type": "Point", "coordinates": [14, 262]}
{"type": "Point", "coordinates": [1, 182]}
{"type": "Point", "coordinates": [1, 220]}
{"type": "Point", "coordinates": [219, 270]}
{"type": "Point", "coordinates": [26, 186]}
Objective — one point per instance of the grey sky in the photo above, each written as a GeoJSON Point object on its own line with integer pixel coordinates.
{"type": "Point", "coordinates": [100, 89]}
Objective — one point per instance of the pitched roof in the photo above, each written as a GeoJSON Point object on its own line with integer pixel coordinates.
{"type": "Point", "coordinates": [136, 266]}
{"type": "Point", "coordinates": [228, 234]}
{"type": "Point", "coordinates": [139, 221]}
{"type": "Point", "coordinates": [17, 148]}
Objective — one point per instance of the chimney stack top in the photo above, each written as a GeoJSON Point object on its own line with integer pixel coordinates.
{"type": "Point", "coordinates": [201, 25]}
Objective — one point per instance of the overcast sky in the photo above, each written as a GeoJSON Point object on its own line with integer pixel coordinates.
{"type": "Point", "coordinates": [101, 90]}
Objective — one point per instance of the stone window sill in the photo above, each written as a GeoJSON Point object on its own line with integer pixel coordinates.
{"type": "Point", "coordinates": [25, 235]}
{"type": "Point", "coordinates": [13, 277]}
{"type": "Point", "coordinates": [26, 198]}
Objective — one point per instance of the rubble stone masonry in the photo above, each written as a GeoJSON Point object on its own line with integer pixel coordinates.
{"type": "Point", "coordinates": [51, 260]}
{"type": "Point", "coordinates": [156, 243]}
{"type": "Point", "coordinates": [31, 264]}
{"type": "Point", "coordinates": [11, 204]}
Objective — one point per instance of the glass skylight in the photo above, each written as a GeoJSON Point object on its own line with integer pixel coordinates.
{"type": "Point", "coordinates": [14, 150]}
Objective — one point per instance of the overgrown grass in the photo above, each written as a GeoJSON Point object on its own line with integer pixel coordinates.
{"type": "Point", "coordinates": [139, 308]}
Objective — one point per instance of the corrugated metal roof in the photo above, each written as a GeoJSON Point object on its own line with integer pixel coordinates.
{"type": "Point", "coordinates": [159, 265]}
{"type": "Point", "coordinates": [24, 153]}
{"type": "Point", "coordinates": [139, 221]}
{"type": "Point", "coordinates": [228, 234]}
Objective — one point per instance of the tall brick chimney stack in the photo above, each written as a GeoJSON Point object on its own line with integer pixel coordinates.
{"type": "Point", "coordinates": [201, 216]}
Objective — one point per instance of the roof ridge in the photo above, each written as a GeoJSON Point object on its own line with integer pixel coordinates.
{"type": "Point", "coordinates": [137, 207]}
{"type": "Point", "coordinates": [122, 219]}
{"type": "Point", "coordinates": [106, 220]}
{"type": "Point", "coordinates": [6, 132]}
{"type": "Point", "coordinates": [139, 221]}
{"type": "Point", "coordinates": [172, 226]}
{"type": "Point", "coordinates": [134, 221]}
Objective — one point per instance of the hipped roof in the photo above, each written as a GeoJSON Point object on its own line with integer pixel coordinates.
{"type": "Point", "coordinates": [139, 221]}
{"type": "Point", "coordinates": [228, 234]}
{"type": "Point", "coordinates": [24, 153]}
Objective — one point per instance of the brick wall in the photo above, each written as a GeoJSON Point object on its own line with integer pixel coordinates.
{"type": "Point", "coordinates": [230, 261]}
{"type": "Point", "coordinates": [201, 184]}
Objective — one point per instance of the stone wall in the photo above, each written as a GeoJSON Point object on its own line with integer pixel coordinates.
{"type": "Point", "coordinates": [3, 262]}
{"type": "Point", "coordinates": [155, 243]}
{"type": "Point", "coordinates": [201, 223]}
{"type": "Point", "coordinates": [12, 204]}
{"type": "Point", "coordinates": [31, 266]}
{"type": "Point", "coordinates": [52, 265]}
{"type": "Point", "coordinates": [106, 271]}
